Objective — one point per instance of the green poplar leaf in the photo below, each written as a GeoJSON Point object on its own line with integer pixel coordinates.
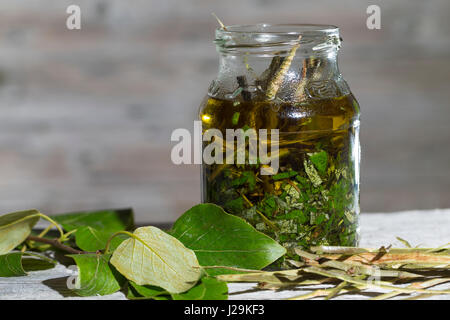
{"type": "Point", "coordinates": [153, 257]}
{"type": "Point", "coordinates": [91, 239]}
{"type": "Point", "coordinates": [221, 239]}
{"type": "Point", "coordinates": [11, 265]}
{"type": "Point", "coordinates": [32, 261]}
{"type": "Point", "coordinates": [104, 220]}
{"type": "Point", "coordinates": [15, 228]}
{"type": "Point", "coordinates": [150, 292]}
{"type": "Point", "coordinates": [95, 275]}
{"type": "Point", "coordinates": [94, 228]}
{"type": "Point", "coordinates": [16, 264]}
{"type": "Point", "coordinates": [134, 295]}
{"type": "Point", "coordinates": [207, 289]}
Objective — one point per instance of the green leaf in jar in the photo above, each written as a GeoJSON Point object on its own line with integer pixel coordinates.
{"type": "Point", "coordinates": [285, 175]}
{"type": "Point", "coordinates": [319, 160]}
{"type": "Point", "coordinates": [153, 257]}
{"type": "Point", "coordinates": [235, 206]}
{"type": "Point", "coordinates": [247, 177]}
{"type": "Point", "coordinates": [235, 119]}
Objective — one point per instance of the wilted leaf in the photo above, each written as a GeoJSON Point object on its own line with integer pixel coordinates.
{"type": "Point", "coordinates": [207, 289]}
{"type": "Point", "coordinates": [15, 228]}
{"type": "Point", "coordinates": [95, 275]}
{"type": "Point", "coordinates": [221, 239]}
{"type": "Point", "coordinates": [152, 257]}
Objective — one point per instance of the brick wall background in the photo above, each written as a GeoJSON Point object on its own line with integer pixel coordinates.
{"type": "Point", "coordinates": [86, 116]}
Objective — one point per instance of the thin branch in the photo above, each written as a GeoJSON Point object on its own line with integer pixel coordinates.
{"type": "Point", "coordinates": [55, 243]}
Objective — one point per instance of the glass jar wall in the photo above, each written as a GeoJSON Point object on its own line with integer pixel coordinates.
{"type": "Point", "coordinates": [284, 77]}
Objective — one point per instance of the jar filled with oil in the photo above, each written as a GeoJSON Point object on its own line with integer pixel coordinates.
{"type": "Point", "coordinates": [285, 80]}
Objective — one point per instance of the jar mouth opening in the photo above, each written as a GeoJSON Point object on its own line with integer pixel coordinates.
{"type": "Point", "coordinates": [280, 29]}
{"type": "Point", "coordinates": [265, 36]}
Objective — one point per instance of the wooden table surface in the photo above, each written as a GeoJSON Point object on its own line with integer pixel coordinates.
{"type": "Point", "coordinates": [429, 228]}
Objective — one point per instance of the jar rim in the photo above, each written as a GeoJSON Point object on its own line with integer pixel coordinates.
{"type": "Point", "coordinates": [265, 37]}
{"type": "Point", "coordinates": [279, 29]}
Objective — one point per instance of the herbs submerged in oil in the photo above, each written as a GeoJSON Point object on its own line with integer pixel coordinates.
{"type": "Point", "coordinates": [313, 199]}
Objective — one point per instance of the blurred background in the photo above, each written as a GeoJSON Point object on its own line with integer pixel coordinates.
{"type": "Point", "coordinates": [86, 115]}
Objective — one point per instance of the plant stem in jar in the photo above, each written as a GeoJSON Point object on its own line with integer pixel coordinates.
{"type": "Point", "coordinates": [275, 83]}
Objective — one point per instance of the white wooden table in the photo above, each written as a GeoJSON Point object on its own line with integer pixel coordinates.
{"type": "Point", "coordinates": [425, 228]}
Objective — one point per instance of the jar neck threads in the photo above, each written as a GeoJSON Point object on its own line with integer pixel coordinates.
{"type": "Point", "coordinates": [277, 40]}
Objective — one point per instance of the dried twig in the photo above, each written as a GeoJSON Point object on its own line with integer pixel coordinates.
{"type": "Point", "coordinates": [358, 269]}
{"type": "Point", "coordinates": [277, 80]}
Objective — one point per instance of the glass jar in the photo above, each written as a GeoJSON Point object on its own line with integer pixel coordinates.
{"type": "Point", "coordinates": [283, 77]}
